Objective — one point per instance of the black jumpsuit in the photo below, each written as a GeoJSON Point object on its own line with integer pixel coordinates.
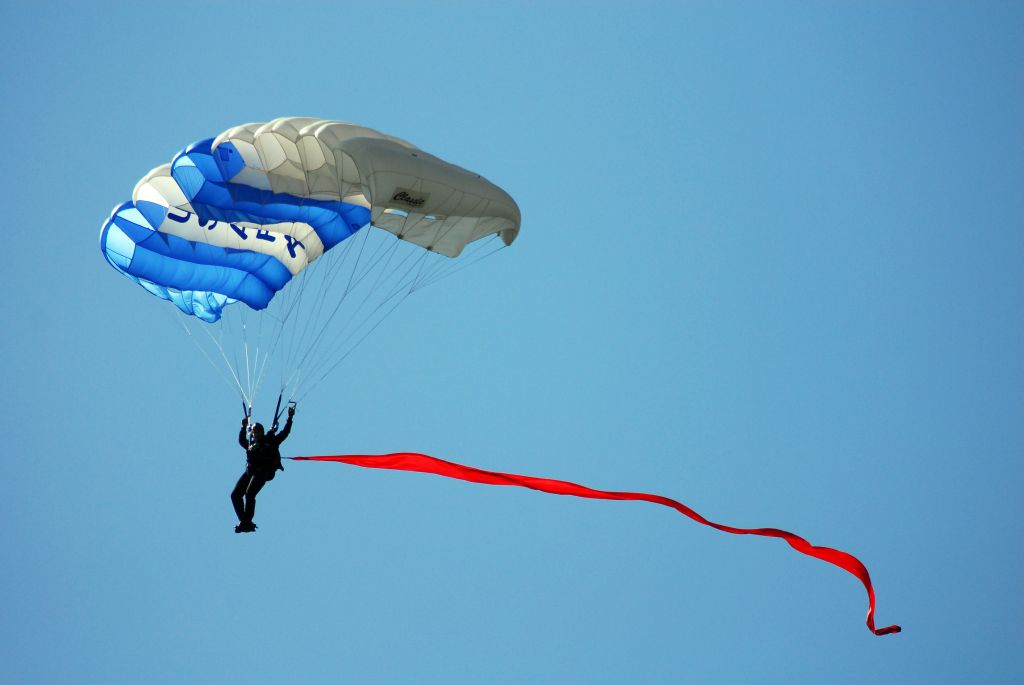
{"type": "Point", "coordinates": [262, 461]}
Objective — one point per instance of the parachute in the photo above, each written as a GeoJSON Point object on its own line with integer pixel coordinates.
{"type": "Point", "coordinates": [225, 228]}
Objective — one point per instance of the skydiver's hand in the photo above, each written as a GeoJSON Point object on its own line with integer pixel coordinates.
{"type": "Point", "coordinates": [245, 422]}
{"type": "Point", "coordinates": [291, 412]}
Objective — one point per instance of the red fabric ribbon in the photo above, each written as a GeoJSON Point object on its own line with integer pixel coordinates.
{"type": "Point", "coordinates": [410, 461]}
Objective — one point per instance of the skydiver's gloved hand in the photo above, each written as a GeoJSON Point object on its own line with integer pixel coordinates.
{"type": "Point", "coordinates": [245, 422]}
{"type": "Point", "coordinates": [291, 411]}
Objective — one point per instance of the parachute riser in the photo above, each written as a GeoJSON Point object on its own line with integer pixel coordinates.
{"type": "Point", "coordinates": [247, 413]}
{"type": "Point", "coordinates": [277, 413]}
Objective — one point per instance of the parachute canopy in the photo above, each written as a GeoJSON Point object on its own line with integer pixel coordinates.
{"type": "Point", "coordinates": [240, 219]}
{"type": "Point", "coordinates": [235, 218]}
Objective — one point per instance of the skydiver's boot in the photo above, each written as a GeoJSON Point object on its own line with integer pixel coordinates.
{"type": "Point", "coordinates": [245, 527]}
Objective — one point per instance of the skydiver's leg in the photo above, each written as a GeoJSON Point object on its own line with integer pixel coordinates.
{"type": "Point", "coordinates": [255, 485]}
{"type": "Point", "coordinates": [236, 495]}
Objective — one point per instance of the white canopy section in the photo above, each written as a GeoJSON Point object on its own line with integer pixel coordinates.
{"type": "Point", "coordinates": [411, 193]}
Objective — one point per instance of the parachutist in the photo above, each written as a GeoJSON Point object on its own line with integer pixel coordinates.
{"type": "Point", "coordinates": [262, 462]}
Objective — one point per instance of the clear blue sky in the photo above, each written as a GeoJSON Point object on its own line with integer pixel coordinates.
{"type": "Point", "coordinates": [770, 266]}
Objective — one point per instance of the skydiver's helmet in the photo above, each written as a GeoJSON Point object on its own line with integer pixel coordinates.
{"type": "Point", "coordinates": [257, 431]}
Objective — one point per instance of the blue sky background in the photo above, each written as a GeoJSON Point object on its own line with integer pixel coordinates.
{"type": "Point", "coordinates": [770, 266]}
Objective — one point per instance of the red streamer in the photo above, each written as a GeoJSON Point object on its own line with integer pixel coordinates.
{"type": "Point", "coordinates": [410, 461]}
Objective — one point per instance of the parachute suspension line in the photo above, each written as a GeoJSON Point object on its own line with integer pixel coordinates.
{"type": "Point", "coordinates": [255, 345]}
{"type": "Point", "coordinates": [299, 296]}
{"type": "Point", "coordinates": [227, 364]}
{"type": "Point", "coordinates": [226, 325]}
{"type": "Point", "coordinates": [245, 345]}
{"type": "Point", "coordinates": [356, 319]}
{"type": "Point", "coordinates": [268, 353]}
{"type": "Point", "coordinates": [293, 305]}
{"type": "Point", "coordinates": [220, 372]}
{"type": "Point", "coordinates": [233, 365]}
{"type": "Point", "coordinates": [354, 280]}
{"type": "Point", "coordinates": [259, 377]}
{"type": "Point", "coordinates": [256, 359]}
{"type": "Point", "coordinates": [389, 278]}
{"type": "Point", "coordinates": [235, 329]}
{"type": "Point", "coordinates": [407, 291]}
{"type": "Point", "coordinates": [450, 269]}
{"type": "Point", "coordinates": [274, 334]}
{"type": "Point", "coordinates": [344, 356]}
{"type": "Point", "coordinates": [298, 299]}
{"type": "Point", "coordinates": [479, 210]}
{"type": "Point", "coordinates": [335, 266]}
{"type": "Point", "coordinates": [444, 267]}
{"type": "Point", "coordinates": [287, 305]}
{"type": "Point", "coordinates": [259, 349]}
{"type": "Point", "coordinates": [418, 276]}
{"type": "Point", "coordinates": [437, 270]}
{"type": "Point", "coordinates": [233, 368]}
{"type": "Point", "coordinates": [262, 370]}
{"type": "Point", "coordinates": [261, 340]}
{"type": "Point", "coordinates": [400, 282]}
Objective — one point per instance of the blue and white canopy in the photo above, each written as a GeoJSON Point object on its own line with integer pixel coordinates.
{"type": "Point", "coordinates": [235, 218]}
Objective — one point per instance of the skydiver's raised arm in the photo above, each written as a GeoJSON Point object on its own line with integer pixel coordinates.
{"type": "Point", "coordinates": [287, 426]}
{"type": "Point", "coordinates": [284, 433]}
{"type": "Point", "coordinates": [242, 440]}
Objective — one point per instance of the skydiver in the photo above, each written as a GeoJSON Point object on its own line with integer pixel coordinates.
{"type": "Point", "coordinates": [262, 462]}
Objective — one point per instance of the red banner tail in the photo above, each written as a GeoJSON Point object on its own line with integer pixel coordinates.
{"type": "Point", "coordinates": [422, 463]}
